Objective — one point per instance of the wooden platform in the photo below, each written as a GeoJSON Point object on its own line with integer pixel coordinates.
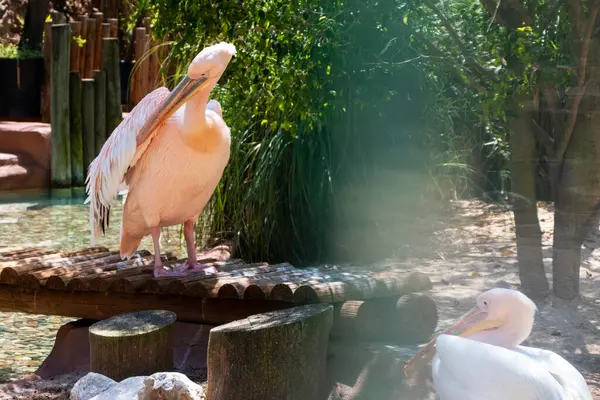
{"type": "Point", "coordinates": [95, 283]}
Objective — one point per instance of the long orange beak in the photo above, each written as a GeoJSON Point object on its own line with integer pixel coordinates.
{"type": "Point", "coordinates": [426, 354]}
{"type": "Point", "coordinates": [182, 93]}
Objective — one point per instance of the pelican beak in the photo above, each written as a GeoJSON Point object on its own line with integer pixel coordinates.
{"type": "Point", "coordinates": [426, 354]}
{"type": "Point", "coordinates": [182, 93]}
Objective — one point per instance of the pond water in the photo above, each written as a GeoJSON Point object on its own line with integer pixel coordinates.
{"type": "Point", "coordinates": [58, 221]}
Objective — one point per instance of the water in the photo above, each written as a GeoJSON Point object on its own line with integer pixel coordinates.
{"type": "Point", "coordinates": [60, 220]}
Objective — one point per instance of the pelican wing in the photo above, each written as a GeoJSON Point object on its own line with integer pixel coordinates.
{"type": "Point", "coordinates": [470, 370]}
{"type": "Point", "coordinates": [566, 374]}
{"type": "Point", "coordinates": [119, 153]}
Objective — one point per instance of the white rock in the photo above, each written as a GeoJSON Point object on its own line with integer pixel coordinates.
{"type": "Point", "coordinates": [171, 386]}
{"type": "Point", "coordinates": [128, 389]}
{"type": "Point", "coordinates": [90, 385]}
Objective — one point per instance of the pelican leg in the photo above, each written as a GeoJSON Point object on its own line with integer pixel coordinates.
{"type": "Point", "coordinates": [159, 269]}
{"type": "Point", "coordinates": [192, 264]}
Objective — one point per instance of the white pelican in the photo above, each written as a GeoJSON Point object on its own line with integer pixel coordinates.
{"type": "Point", "coordinates": [169, 154]}
{"type": "Point", "coordinates": [487, 362]}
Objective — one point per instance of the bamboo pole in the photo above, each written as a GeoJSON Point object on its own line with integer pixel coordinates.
{"type": "Point", "coordinates": [47, 62]}
{"type": "Point", "coordinates": [77, 172]}
{"type": "Point", "coordinates": [90, 48]}
{"type": "Point", "coordinates": [75, 48]}
{"type": "Point", "coordinates": [99, 17]}
{"type": "Point", "coordinates": [100, 114]}
{"type": "Point", "coordinates": [60, 137]}
{"type": "Point", "coordinates": [141, 66]}
{"type": "Point", "coordinates": [110, 54]}
{"type": "Point", "coordinates": [82, 52]}
{"type": "Point", "coordinates": [87, 118]}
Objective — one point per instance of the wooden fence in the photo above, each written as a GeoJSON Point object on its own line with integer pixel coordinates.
{"type": "Point", "coordinates": [84, 94]}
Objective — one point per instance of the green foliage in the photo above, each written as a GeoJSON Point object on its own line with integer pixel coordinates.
{"type": "Point", "coordinates": [8, 50]}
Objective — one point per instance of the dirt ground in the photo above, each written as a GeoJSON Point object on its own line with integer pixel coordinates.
{"type": "Point", "coordinates": [476, 250]}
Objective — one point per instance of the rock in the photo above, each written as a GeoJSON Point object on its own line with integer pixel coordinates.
{"type": "Point", "coordinates": [91, 385]}
{"type": "Point", "coordinates": [128, 389]}
{"type": "Point", "coordinates": [171, 386]}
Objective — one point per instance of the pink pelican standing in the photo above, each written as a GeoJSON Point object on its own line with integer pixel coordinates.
{"type": "Point", "coordinates": [169, 154]}
{"type": "Point", "coordinates": [487, 361]}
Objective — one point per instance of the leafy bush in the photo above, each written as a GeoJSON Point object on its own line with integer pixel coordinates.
{"type": "Point", "coordinates": [335, 122]}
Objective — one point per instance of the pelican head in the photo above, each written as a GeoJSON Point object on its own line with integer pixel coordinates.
{"type": "Point", "coordinates": [203, 72]}
{"type": "Point", "coordinates": [502, 317]}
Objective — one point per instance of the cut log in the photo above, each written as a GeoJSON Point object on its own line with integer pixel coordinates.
{"type": "Point", "coordinates": [88, 112]}
{"type": "Point", "coordinates": [110, 59]}
{"type": "Point", "coordinates": [133, 344]}
{"type": "Point", "coordinates": [406, 320]}
{"type": "Point", "coordinates": [277, 355]}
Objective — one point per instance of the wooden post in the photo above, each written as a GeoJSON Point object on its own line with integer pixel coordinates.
{"type": "Point", "coordinates": [77, 170]}
{"type": "Point", "coordinates": [285, 350]}
{"type": "Point", "coordinates": [134, 344]}
{"type": "Point", "coordinates": [152, 66]}
{"type": "Point", "coordinates": [90, 48]}
{"type": "Point", "coordinates": [99, 17]}
{"type": "Point", "coordinates": [82, 52]}
{"type": "Point", "coordinates": [47, 62]}
{"type": "Point", "coordinates": [105, 34]}
{"type": "Point", "coordinates": [114, 27]}
{"type": "Point", "coordinates": [58, 18]}
{"type": "Point", "coordinates": [61, 131]}
{"type": "Point", "coordinates": [88, 119]}
{"type": "Point", "coordinates": [75, 48]}
{"type": "Point", "coordinates": [100, 114]}
{"type": "Point", "coordinates": [110, 50]}
{"type": "Point", "coordinates": [140, 86]}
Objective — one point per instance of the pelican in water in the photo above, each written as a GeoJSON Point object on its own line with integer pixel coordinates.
{"type": "Point", "coordinates": [486, 360]}
{"type": "Point", "coordinates": [167, 157]}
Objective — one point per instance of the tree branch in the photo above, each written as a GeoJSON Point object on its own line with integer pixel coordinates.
{"type": "Point", "coordinates": [457, 40]}
{"type": "Point", "coordinates": [574, 8]}
{"type": "Point", "coordinates": [581, 84]}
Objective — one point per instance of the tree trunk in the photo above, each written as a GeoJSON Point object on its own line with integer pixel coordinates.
{"type": "Point", "coordinates": [527, 226]}
{"type": "Point", "coordinates": [577, 193]}
{"type": "Point", "coordinates": [35, 16]}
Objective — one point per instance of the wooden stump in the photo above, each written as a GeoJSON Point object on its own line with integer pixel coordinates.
{"type": "Point", "coordinates": [100, 114]}
{"type": "Point", "coordinates": [77, 168]}
{"type": "Point", "coordinates": [110, 59]}
{"type": "Point", "coordinates": [276, 355]}
{"type": "Point", "coordinates": [133, 344]}
{"type": "Point", "coordinates": [406, 320]}
{"type": "Point", "coordinates": [88, 112]}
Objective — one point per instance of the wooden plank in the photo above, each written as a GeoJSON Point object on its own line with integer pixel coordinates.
{"type": "Point", "coordinates": [87, 117]}
{"type": "Point", "coordinates": [60, 121]}
{"type": "Point", "coordinates": [93, 305]}
{"type": "Point", "coordinates": [77, 167]}
{"type": "Point", "coordinates": [99, 17]}
{"type": "Point", "coordinates": [100, 112]}
{"type": "Point", "coordinates": [75, 47]}
{"type": "Point", "coordinates": [110, 54]}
